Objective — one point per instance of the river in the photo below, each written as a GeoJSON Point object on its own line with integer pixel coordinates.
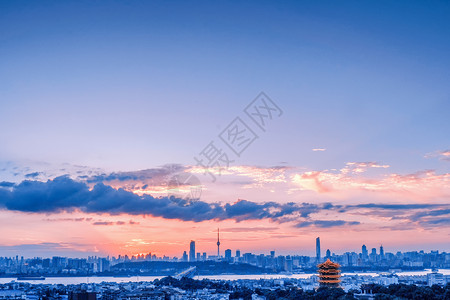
{"type": "Point", "coordinates": [100, 279]}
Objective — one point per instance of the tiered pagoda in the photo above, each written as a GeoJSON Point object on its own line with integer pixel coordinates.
{"type": "Point", "coordinates": [329, 274]}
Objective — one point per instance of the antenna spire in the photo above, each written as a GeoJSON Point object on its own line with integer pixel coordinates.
{"type": "Point", "coordinates": [218, 243]}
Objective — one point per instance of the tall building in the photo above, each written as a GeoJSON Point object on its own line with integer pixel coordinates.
{"type": "Point", "coordinates": [381, 252]}
{"type": "Point", "coordinates": [218, 244]}
{"type": "Point", "coordinates": [238, 253]}
{"type": "Point", "coordinates": [373, 257]}
{"type": "Point", "coordinates": [272, 254]}
{"type": "Point", "coordinates": [192, 251]}
{"type": "Point", "coordinates": [329, 274]}
{"type": "Point", "coordinates": [228, 254]}
{"type": "Point", "coordinates": [364, 252]}
{"type": "Point", "coordinates": [328, 255]}
{"type": "Point", "coordinates": [318, 249]}
{"type": "Point", "coordinates": [288, 264]}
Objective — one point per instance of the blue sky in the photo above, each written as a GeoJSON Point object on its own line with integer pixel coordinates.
{"type": "Point", "coordinates": [127, 86]}
{"type": "Point", "coordinates": [361, 78]}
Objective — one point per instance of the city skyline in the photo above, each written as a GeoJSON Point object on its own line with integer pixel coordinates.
{"type": "Point", "coordinates": [128, 127]}
{"type": "Point", "coordinates": [192, 252]}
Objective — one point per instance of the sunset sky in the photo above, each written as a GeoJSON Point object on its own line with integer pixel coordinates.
{"type": "Point", "coordinates": [104, 105]}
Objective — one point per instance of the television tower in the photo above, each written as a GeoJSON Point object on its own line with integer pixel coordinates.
{"type": "Point", "coordinates": [218, 244]}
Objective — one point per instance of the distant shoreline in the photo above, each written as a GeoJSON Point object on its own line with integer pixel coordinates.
{"type": "Point", "coordinates": [131, 275]}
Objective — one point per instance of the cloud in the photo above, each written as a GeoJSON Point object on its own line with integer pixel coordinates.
{"type": "Point", "coordinates": [436, 221]}
{"type": "Point", "coordinates": [445, 155]}
{"type": "Point", "coordinates": [361, 167]}
{"type": "Point", "coordinates": [110, 223]}
{"type": "Point", "coordinates": [141, 176]}
{"type": "Point", "coordinates": [32, 175]}
{"type": "Point", "coordinates": [314, 181]}
{"type": "Point", "coordinates": [103, 223]}
{"type": "Point", "coordinates": [94, 222]}
{"type": "Point", "coordinates": [249, 229]}
{"type": "Point", "coordinates": [393, 206]}
{"type": "Point", "coordinates": [43, 249]}
{"type": "Point", "coordinates": [351, 180]}
{"type": "Point", "coordinates": [318, 149]}
{"type": "Point", "coordinates": [150, 181]}
{"type": "Point", "coordinates": [442, 155]}
{"type": "Point", "coordinates": [432, 213]}
{"type": "Point", "coordinates": [67, 219]}
{"type": "Point", "coordinates": [64, 194]}
{"type": "Point", "coordinates": [325, 223]}
{"type": "Point", "coordinates": [404, 216]}
{"type": "Point", "coordinates": [6, 184]}
{"type": "Point", "coordinates": [260, 176]}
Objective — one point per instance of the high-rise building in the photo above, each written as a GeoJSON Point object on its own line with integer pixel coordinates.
{"type": "Point", "coordinates": [318, 249]}
{"type": "Point", "coordinates": [272, 254]}
{"type": "Point", "coordinates": [328, 255]}
{"type": "Point", "coordinates": [238, 253]}
{"type": "Point", "coordinates": [228, 254]}
{"type": "Point", "coordinates": [381, 252]}
{"type": "Point", "coordinates": [185, 256]}
{"type": "Point", "coordinates": [192, 251]}
{"type": "Point", "coordinates": [288, 267]}
{"type": "Point", "coordinates": [364, 252]}
{"type": "Point", "coordinates": [373, 257]}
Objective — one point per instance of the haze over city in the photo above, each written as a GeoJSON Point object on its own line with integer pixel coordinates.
{"type": "Point", "coordinates": [109, 112]}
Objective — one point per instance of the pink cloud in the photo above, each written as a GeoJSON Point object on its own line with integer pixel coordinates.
{"type": "Point", "coordinates": [442, 155]}
{"type": "Point", "coordinates": [417, 186]}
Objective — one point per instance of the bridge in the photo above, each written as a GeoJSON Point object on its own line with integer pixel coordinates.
{"type": "Point", "coordinates": [189, 273]}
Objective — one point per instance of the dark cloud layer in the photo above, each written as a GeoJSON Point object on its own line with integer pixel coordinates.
{"type": "Point", "coordinates": [32, 175]}
{"type": "Point", "coordinates": [325, 223]}
{"type": "Point", "coordinates": [64, 194]}
{"type": "Point", "coordinates": [141, 175]}
{"type": "Point", "coordinates": [393, 206]}
{"type": "Point", "coordinates": [6, 184]}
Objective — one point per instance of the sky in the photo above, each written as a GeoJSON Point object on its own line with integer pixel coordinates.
{"type": "Point", "coordinates": [130, 127]}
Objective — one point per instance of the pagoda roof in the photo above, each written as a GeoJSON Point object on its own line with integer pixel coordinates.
{"type": "Point", "coordinates": [329, 264]}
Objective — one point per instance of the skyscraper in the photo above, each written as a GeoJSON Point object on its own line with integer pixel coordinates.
{"type": "Point", "coordinates": [381, 252]}
{"type": "Point", "coordinates": [364, 252]}
{"type": "Point", "coordinates": [318, 249]}
{"type": "Point", "coordinates": [228, 254]}
{"type": "Point", "coordinates": [328, 255]}
{"type": "Point", "coordinates": [218, 244]}
{"type": "Point", "coordinates": [192, 251]}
